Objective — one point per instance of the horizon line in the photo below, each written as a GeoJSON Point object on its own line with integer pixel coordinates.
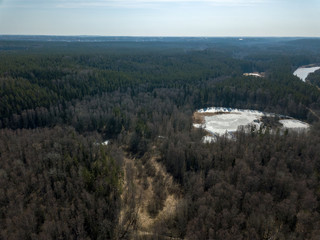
{"type": "Point", "coordinates": [155, 36]}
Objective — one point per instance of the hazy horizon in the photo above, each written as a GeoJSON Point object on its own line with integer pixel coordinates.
{"type": "Point", "coordinates": [153, 36]}
{"type": "Point", "coordinates": [161, 18]}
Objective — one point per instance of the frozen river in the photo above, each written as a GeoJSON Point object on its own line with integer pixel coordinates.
{"type": "Point", "coordinates": [303, 72]}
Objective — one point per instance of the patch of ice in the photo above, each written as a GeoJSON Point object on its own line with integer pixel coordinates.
{"type": "Point", "coordinates": [253, 74]}
{"type": "Point", "coordinates": [226, 121]}
{"type": "Point", "coordinates": [303, 72]}
{"type": "Point", "coordinates": [197, 125]}
{"type": "Point", "coordinates": [294, 124]}
{"type": "Point", "coordinates": [228, 110]}
{"type": "Point", "coordinates": [209, 139]}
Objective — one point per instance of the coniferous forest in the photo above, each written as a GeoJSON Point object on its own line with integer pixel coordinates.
{"type": "Point", "coordinates": [62, 98]}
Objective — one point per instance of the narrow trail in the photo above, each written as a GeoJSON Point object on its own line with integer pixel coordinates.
{"type": "Point", "coordinates": [150, 197]}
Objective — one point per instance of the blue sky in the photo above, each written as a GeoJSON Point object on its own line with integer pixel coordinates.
{"type": "Point", "coordinates": [161, 17]}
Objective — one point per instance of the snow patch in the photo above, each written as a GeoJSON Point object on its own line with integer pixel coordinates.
{"type": "Point", "coordinates": [294, 124]}
{"type": "Point", "coordinates": [253, 74]}
{"type": "Point", "coordinates": [222, 123]}
{"type": "Point", "coordinates": [230, 110]}
{"type": "Point", "coordinates": [209, 139]}
{"type": "Point", "coordinates": [105, 143]}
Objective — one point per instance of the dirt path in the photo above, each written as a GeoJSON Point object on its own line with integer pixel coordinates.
{"type": "Point", "coordinates": [141, 214]}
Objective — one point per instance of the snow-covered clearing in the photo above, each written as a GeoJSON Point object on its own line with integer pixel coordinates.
{"type": "Point", "coordinates": [219, 121]}
{"type": "Point", "coordinates": [303, 72]}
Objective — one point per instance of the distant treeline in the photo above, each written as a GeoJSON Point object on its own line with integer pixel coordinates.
{"type": "Point", "coordinates": [33, 83]}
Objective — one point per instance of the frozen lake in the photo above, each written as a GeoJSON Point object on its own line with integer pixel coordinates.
{"type": "Point", "coordinates": [219, 121]}
{"type": "Point", "coordinates": [303, 72]}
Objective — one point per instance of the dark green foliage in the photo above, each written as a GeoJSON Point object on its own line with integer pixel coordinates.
{"type": "Point", "coordinates": [42, 80]}
{"type": "Point", "coordinates": [314, 78]}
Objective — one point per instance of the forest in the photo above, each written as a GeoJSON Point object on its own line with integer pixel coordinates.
{"type": "Point", "coordinates": [61, 98]}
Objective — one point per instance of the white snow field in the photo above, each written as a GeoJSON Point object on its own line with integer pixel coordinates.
{"type": "Point", "coordinates": [225, 121]}
{"type": "Point", "coordinates": [303, 72]}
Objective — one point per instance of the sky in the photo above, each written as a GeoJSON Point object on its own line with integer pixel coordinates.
{"type": "Point", "coordinates": [205, 18]}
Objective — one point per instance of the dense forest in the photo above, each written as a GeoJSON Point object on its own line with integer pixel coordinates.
{"type": "Point", "coordinates": [314, 78]}
{"type": "Point", "coordinates": [62, 98]}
